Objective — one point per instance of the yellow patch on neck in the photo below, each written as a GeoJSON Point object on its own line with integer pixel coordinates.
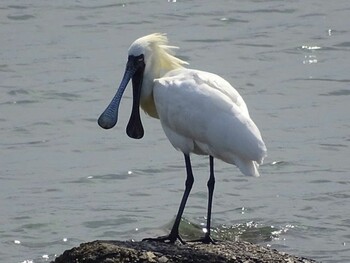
{"type": "Point", "coordinates": [147, 104]}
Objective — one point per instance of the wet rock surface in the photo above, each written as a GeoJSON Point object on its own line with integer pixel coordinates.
{"type": "Point", "coordinates": [153, 252]}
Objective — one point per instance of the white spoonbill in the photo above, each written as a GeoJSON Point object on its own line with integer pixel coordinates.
{"type": "Point", "coordinates": [200, 113]}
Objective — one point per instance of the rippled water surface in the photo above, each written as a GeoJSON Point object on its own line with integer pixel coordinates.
{"type": "Point", "coordinates": [65, 181]}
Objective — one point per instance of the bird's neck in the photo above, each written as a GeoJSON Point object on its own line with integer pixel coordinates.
{"type": "Point", "coordinates": [153, 71]}
{"type": "Point", "coordinates": [146, 100]}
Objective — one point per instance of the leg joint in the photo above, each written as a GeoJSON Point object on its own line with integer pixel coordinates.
{"type": "Point", "coordinates": [211, 182]}
{"type": "Point", "coordinates": [189, 182]}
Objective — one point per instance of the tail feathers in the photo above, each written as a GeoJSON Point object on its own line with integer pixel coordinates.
{"type": "Point", "coordinates": [247, 167]}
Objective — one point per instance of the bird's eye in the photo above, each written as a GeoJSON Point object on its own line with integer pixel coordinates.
{"type": "Point", "coordinates": [140, 58]}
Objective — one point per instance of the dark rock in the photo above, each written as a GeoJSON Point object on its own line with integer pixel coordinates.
{"type": "Point", "coordinates": [154, 252]}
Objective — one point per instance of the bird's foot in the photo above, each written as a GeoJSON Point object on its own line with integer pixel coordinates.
{"type": "Point", "coordinates": [207, 239]}
{"type": "Point", "coordinates": [170, 239]}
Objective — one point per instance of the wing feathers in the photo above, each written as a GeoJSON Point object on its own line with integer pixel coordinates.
{"type": "Point", "coordinates": [206, 109]}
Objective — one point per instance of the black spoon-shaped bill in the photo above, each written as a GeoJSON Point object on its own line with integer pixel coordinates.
{"type": "Point", "coordinates": [134, 128]}
{"type": "Point", "coordinates": [109, 117]}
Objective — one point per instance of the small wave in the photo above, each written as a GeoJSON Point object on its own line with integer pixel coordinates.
{"type": "Point", "coordinates": [20, 17]}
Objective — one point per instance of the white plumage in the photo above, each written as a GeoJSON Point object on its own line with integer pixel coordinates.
{"type": "Point", "coordinates": [202, 113]}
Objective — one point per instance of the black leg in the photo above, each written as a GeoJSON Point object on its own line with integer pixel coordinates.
{"type": "Point", "coordinates": [174, 234]}
{"type": "Point", "coordinates": [211, 183]}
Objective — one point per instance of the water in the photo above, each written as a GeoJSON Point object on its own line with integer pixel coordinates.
{"type": "Point", "coordinates": [65, 181]}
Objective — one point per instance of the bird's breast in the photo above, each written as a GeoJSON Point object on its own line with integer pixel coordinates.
{"type": "Point", "coordinates": [148, 105]}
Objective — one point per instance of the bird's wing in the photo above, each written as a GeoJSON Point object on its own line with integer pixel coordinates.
{"type": "Point", "coordinates": [216, 82]}
{"type": "Point", "coordinates": [213, 81]}
{"type": "Point", "coordinates": [205, 108]}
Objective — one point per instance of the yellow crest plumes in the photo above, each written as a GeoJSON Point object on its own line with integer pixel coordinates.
{"type": "Point", "coordinates": [160, 54]}
{"type": "Point", "coordinates": [165, 53]}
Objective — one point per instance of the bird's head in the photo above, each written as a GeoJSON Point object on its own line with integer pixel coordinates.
{"type": "Point", "coordinates": [148, 56]}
